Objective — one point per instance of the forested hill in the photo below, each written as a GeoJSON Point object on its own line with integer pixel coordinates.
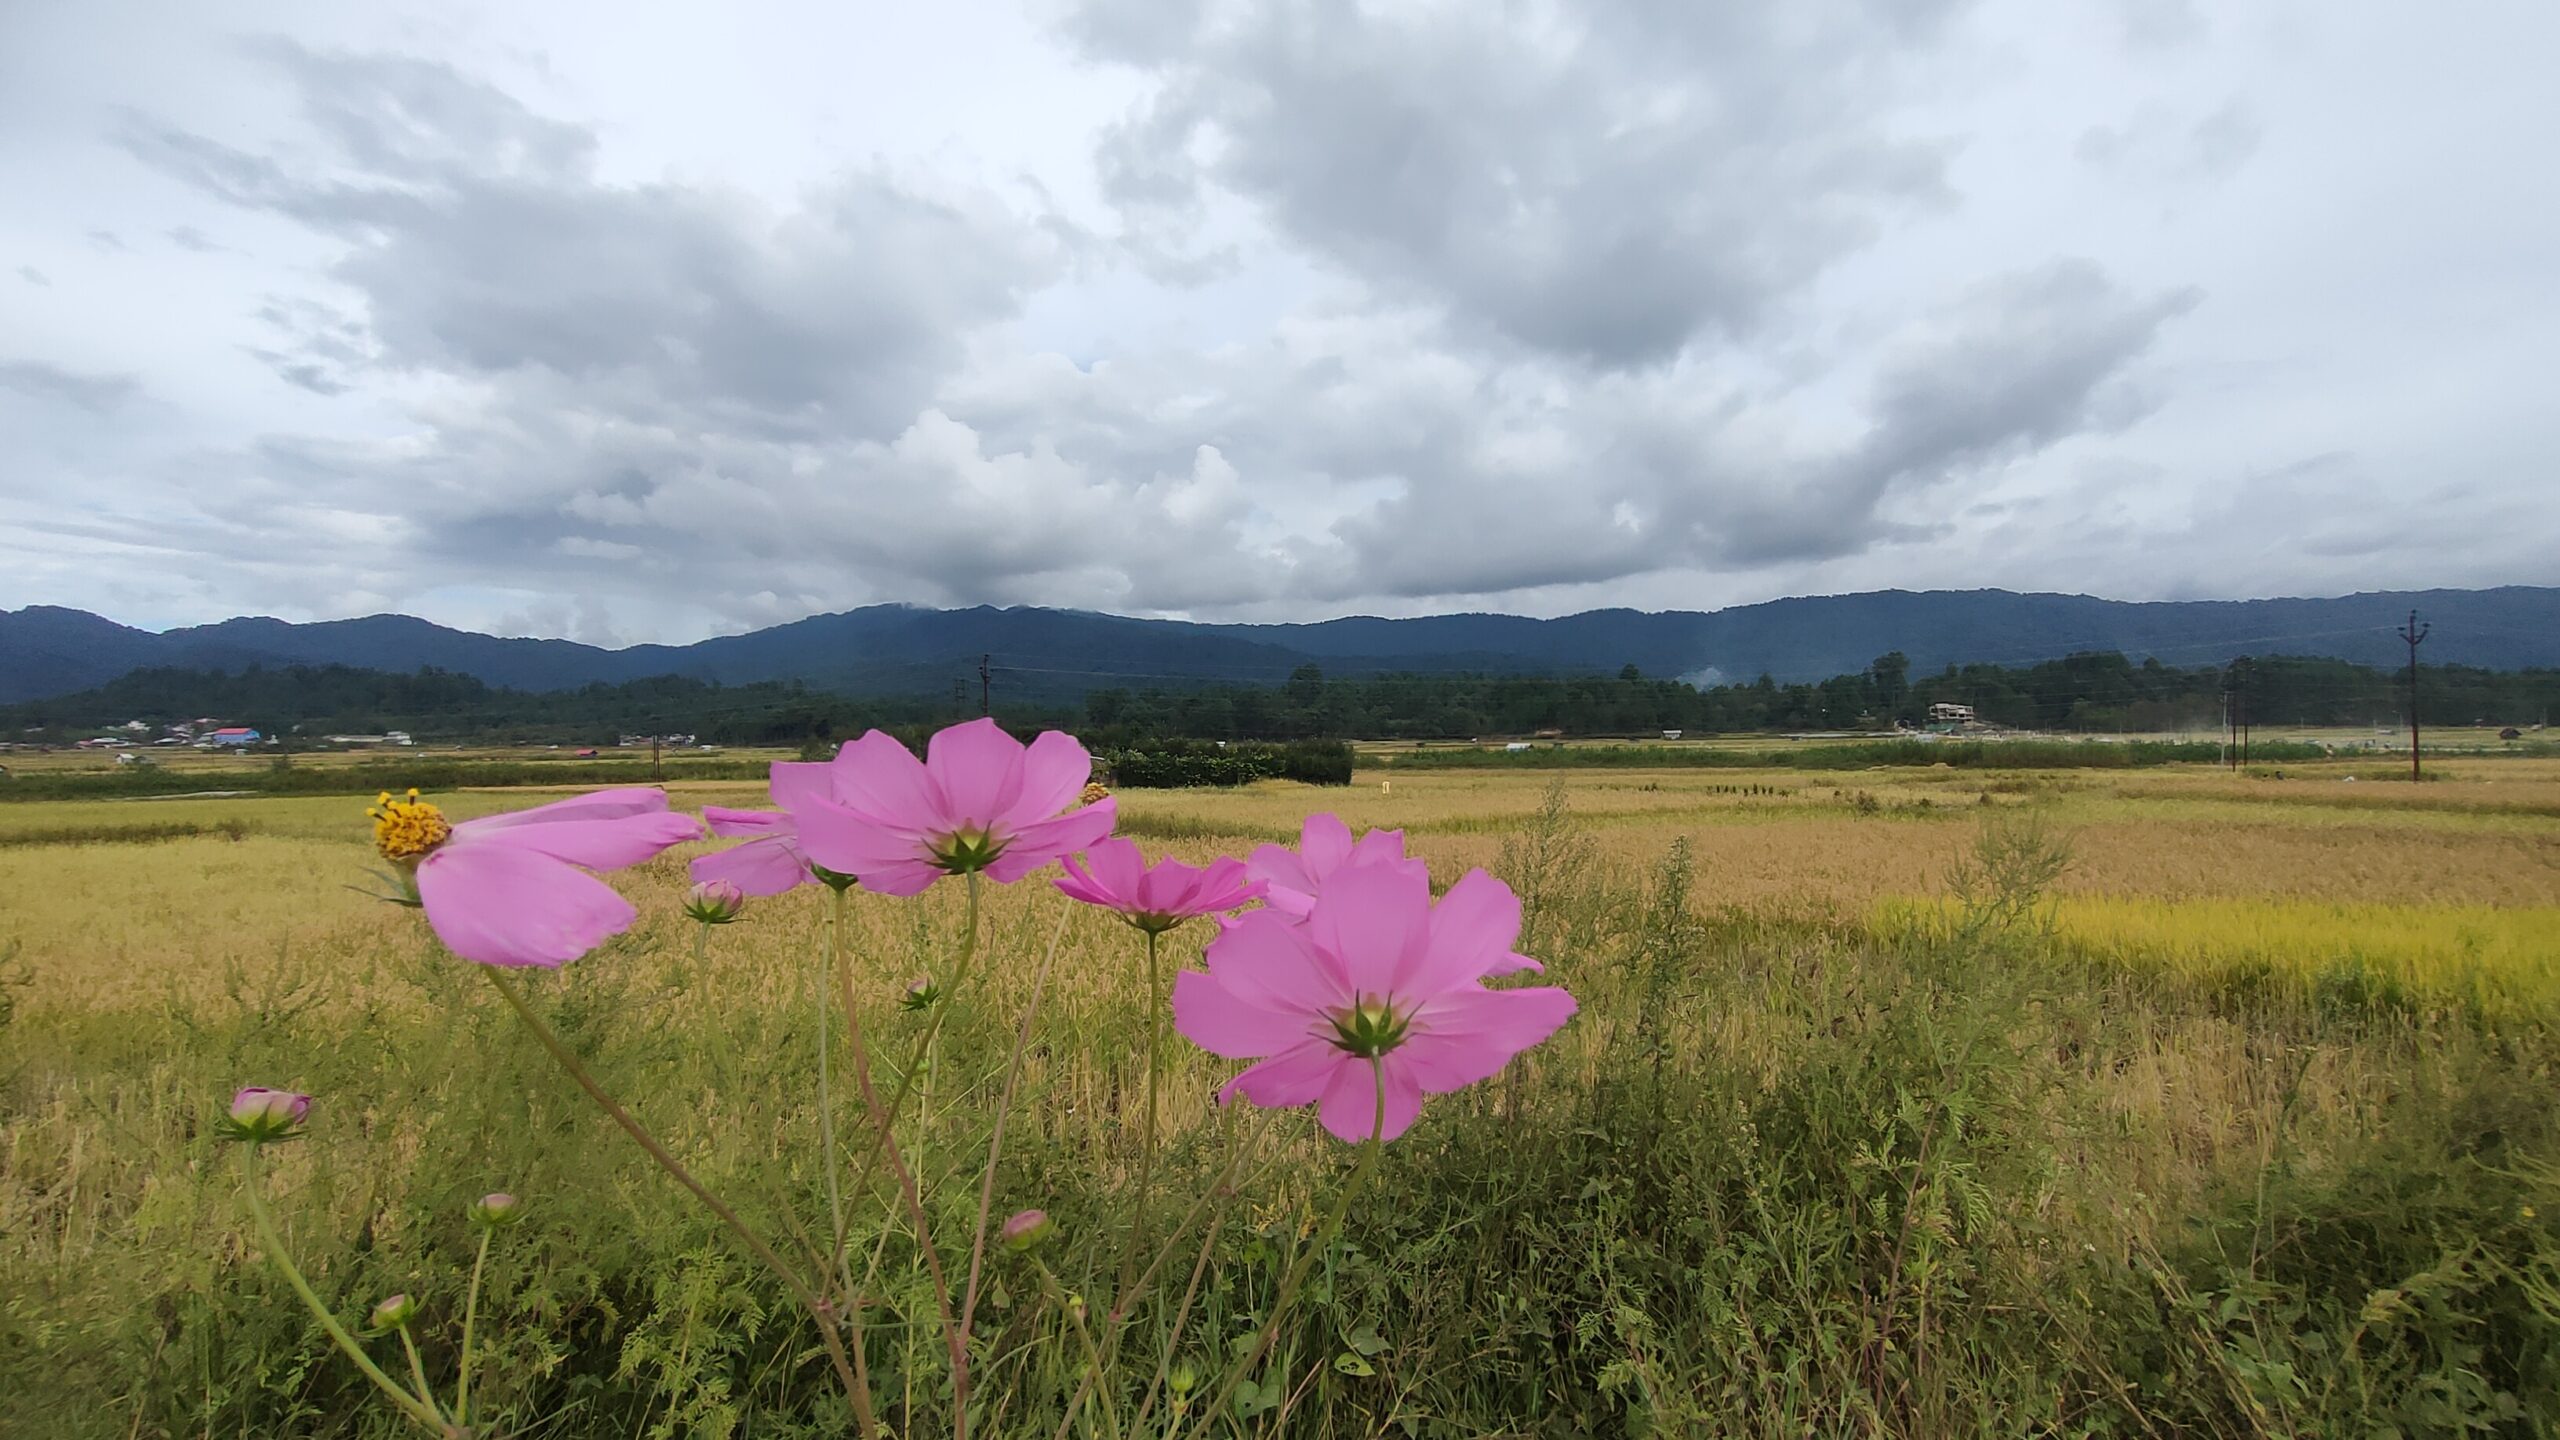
{"type": "Point", "coordinates": [2092, 693]}
{"type": "Point", "coordinates": [1055, 657]}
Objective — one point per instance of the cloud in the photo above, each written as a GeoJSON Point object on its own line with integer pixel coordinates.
{"type": "Point", "coordinates": [97, 394]}
{"type": "Point", "coordinates": [1606, 183]}
{"type": "Point", "coordinates": [34, 276]}
{"type": "Point", "coordinates": [482, 242]}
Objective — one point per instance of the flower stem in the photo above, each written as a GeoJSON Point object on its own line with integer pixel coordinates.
{"type": "Point", "coordinates": [827, 1110]}
{"type": "Point", "coordinates": [1147, 1138]}
{"type": "Point", "coordinates": [1084, 1336]}
{"type": "Point", "coordinates": [418, 1372]}
{"type": "Point", "coordinates": [409, 1404]}
{"type": "Point", "coordinates": [855, 1391]}
{"type": "Point", "coordinates": [470, 1316]}
{"type": "Point", "coordinates": [1305, 1262]}
{"type": "Point", "coordinates": [885, 1145]}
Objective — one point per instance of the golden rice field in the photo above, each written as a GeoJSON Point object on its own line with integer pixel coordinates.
{"type": "Point", "coordinates": [2446, 881]}
{"type": "Point", "coordinates": [1803, 1165]}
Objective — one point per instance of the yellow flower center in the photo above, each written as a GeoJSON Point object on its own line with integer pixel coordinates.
{"type": "Point", "coordinates": [404, 830]}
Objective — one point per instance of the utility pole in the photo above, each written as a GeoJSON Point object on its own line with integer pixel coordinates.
{"type": "Point", "coordinates": [2230, 757]}
{"type": "Point", "coordinates": [655, 771]}
{"type": "Point", "coordinates": [986, 678]}
{"type": "Point", "coordinates": [2240, 700]}
{"type": "Point", "coordinates": [2413, 632]}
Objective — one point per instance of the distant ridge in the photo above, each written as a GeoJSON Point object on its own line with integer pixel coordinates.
{"type": "Point", "coordinates": [48, 650]}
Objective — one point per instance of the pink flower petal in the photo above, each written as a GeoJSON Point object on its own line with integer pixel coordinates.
{"type": "Point", "coordinates": [596, 844]}
{"type": "Point", "coordinates": [1325, 842]}
{"type": "Point", "coordinates": [725, 821]}
{"type": "Point", "coordinates": [594, 805]}
{"type": "Point", "coordinates": [794, 782]}
{"type": "Point", "coordinates": [977, 769]}
{"type": "Point", "coordinates": [1374, 919]}
{"type": "Point", "coordinates": [1054, 771]}
{"type": "Point", "coordinates": [768, 866]}
{"type": "Point", "coordinates": [883, 779]}
{"type": "Point", "coordinates": [1472, 930]}
{"type": "Point", "coordinates": [505, 905]}
{"type": "Point", "coordinates": [1295, 1076]}
{"type": "Point", "coordinates": [905, 877]}
{"type": "Point", "coordinates": [1265, 959]}
{"type": "Point", "coordinates": [1289, 888]}
{"type": "Point", "coordinates": [1468, 1035]}
{"type": "Point", "coordinates": [1033, 846]}
{"type": "Point", "coordinates": [1350, 1105]}
{"type": "Point", "coordinates": [852, 843]}
{"type": "Point", "coordinates": [1222, 1022]}
{"type": "Point", "coordinates": [1377, 847]}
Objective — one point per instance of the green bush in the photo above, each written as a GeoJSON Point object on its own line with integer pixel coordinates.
{"type": "Point", "coordinates": [1182, 764]}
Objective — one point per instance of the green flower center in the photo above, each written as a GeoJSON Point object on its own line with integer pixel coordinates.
{"type": "Point", "coordinates": [962, 851]}
{"type": "Point", "coordinates": [1369, 1028]}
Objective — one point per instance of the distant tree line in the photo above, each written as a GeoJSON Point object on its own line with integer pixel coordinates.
{"type": "Point", "coordinates": [2096, 693]}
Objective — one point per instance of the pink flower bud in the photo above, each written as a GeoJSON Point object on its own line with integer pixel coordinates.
{"type": "Point", "coordinates": [259, 1115]}
{"type": "Point", "coordinates": [394, 1313]}
{"type": "Point", "coordinates": [497, 1210]}
{"type": "Point", "coordinates": [1025, 1229]}
{"type": "Point", "coordinates": [714, 902]}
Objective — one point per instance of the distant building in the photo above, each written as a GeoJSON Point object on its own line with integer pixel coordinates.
{"type": "Point", "coordinates": [1947, 712]}
{"type": "Point", "coordinates": [387, 737]}
{"type": "Point", "coordinates": [231, 736]}
{"type": "Point", "coordinates": [1671, 734]}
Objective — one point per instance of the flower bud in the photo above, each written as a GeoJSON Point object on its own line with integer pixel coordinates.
{"type": "Point", "coordinates": [497, 1210]}
{"type": "Point", "coordinates": [714, 902]}
{"type": "Point", "coordinates": [921, 993]}
{"type": "Point", "coordinates": [394, 1313]}
{"type": "Point", "coordinates": [1026, 1228]}
{"type": "Point", "coordinates": [259, 1115]}
{"type": "Point", "coordinates": [1184, 1377]}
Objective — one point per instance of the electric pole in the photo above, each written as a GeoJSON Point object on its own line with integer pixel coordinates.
{"type": "Point", "coordinates": [986, 678]}
{"type": "Point", "coordinates": [2413, 632]}
{"type": "Point", "coordinates": [2240, 699]}
{"type": "Point", "coordinates": [655, 772]}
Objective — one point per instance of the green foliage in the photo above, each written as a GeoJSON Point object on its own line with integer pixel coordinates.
{"type": "Point", "coordinates": [1181, 764]}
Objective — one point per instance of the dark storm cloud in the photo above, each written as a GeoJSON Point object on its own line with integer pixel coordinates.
{"type": "Point", "coordinates": [55, 385]}
{"type": "Point", "coordinates": [1603, 182]}
{"type": "Point", "coordinates": [483, 243]}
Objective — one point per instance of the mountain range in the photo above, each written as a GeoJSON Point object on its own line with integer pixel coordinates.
{"type": "Point", "coordinates": [902, 649]}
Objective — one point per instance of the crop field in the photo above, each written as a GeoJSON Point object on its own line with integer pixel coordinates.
{"type": "Point", "coordinates": [1914, 1102]}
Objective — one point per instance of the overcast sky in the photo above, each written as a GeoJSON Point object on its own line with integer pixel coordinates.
{"type": "Point", "coordinates": [651, 323]}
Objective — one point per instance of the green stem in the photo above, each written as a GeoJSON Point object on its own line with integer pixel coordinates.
{"type": "Point", "coordinates": [470, 1317]}
{"type": "Point", "coordinates": [884, 1131]}
{"type": "Point", "coordinates": [855, 1392]}
{"type": "Point", "coordinates": [827, 1111]}
{"type": "Point", "coordinates": [933, 1028]}
{"type": "Point", "coordinates": [1084, 1335]}
{"type": "Point", "coordinates": [409, 1404]}
{"type": "Point", "coordinates": [1147, 1140]}
{"type": "Point", "coordinates": [1305, 1262]}
{"type": "Point", "coordinates": [418, 1372]}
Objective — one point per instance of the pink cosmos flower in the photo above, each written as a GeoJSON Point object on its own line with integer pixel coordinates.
{"type": "Point", "coordinates": [506, 889]}
{"type": "Point", "coordinates": [1116, 876]}
{"type": "Point", "coordinates": [769, 864]}
{"type": "Point", "coordinates": [1295, 877]}
{"type": "Point", "coordinates": [979, 800]}
{"type": "Point", "coordinates": [1377, 983]}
